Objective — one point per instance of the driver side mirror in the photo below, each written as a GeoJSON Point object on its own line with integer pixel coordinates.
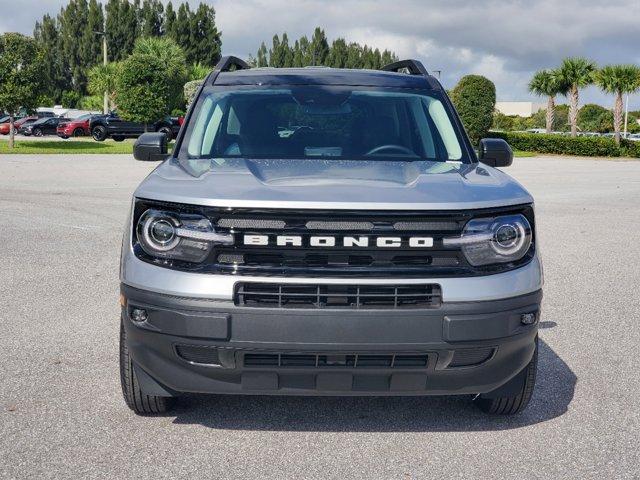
{"type": "Point", "coordinates": [495, 152]}
{"type": "Point", "coordinates": [151, 147]}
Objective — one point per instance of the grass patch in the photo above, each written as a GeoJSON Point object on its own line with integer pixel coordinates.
{"type": "Point", "coordinates": [66, 146]}
{"type": "Point", "coordinates": [521, 153]}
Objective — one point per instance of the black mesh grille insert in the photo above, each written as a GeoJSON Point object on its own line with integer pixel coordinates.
{"type": "Point", "coordinates": [274, 295]}
{"type": "Point", "coordinates": [321, 360]}
{"type": "Point", "coordinates": [471, 356]}
{"type": "Point", "coordinates": [198, 354]}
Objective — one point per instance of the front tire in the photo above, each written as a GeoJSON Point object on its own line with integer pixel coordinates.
{"type": "Point", "coordinates": [99, 133]}
{"type": "Point", "coordinates": [135, 399]}
{"type": "Point", "coordinates": [524, 382]}
{"type": "Point", "coordinates": [78, 132]}
{"type": "Point", "coordinates": [37, 132]}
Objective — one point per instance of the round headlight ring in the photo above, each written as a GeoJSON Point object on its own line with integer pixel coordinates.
{"type": "Point", "coordinates": [509, 238]}
{"type": "Point", "coordinates": [158, 232]}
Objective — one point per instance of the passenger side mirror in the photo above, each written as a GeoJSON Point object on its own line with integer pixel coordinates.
{"type": "Point", "coordinates": [151, 147]}
{"type": "Point", "coordinates": [495, 152]}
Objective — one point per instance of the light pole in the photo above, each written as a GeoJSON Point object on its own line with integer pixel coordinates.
{"type": "Point", "coordinates": [105, 102]}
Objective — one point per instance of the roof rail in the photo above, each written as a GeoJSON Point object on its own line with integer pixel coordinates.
{"type": "Point", "coordinates": [414, 67]}
{"type": "Point", "coordinates": [228, 64]}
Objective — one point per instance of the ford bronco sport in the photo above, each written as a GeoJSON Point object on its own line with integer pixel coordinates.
{"type": "Point", "coordinates": [320, 231]}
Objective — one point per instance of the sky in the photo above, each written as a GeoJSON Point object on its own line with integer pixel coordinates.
{"type": "Point", "coordinates": [507, 41]}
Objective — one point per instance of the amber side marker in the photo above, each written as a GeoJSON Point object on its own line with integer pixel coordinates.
{"type": "Point", "coordinates": [123, 300]}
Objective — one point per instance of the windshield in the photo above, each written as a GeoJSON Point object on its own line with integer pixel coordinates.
{"type": "Point", "coordinates": [297, 122]}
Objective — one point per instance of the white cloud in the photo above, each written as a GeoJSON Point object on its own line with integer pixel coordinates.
{"type": "Point", "coordinates": [506, 40]}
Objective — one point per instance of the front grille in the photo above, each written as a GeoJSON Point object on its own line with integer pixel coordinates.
{"type": "Point", "coordinates": [335, 243]}
{"type": "Point", "coordinates": [198, 354]}
{"type": "Point", "coordinates": [276, 295]}
{"type": "Point", "coordinates": [323, 360]}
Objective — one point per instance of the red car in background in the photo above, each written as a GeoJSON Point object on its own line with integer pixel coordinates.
{"type": "Point", "coordinates": [4, 127]}
{"type": "Point", "coordinates": [76, 127]}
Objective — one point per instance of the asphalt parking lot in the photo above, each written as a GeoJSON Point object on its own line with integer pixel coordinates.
{"type": "Point", "coordinates": [62, 414]}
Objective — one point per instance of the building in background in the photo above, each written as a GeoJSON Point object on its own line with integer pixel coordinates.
{"type": "Point", "coordinates": [522, 109]}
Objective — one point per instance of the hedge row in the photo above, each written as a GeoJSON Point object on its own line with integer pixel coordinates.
{"type": "Point", "coordinates": [562, 144]}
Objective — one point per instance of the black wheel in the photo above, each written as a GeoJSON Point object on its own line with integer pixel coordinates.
{"type": "Point", "coordinates": [167, 132]}
{"type": "Point", "coordinates": [78, 132]}
{"type": "Point", "coordinates": [136, 400]}
{"type": "Point", "coordinates": [522, 385]}
{"type": "Point", "coordinates": [64, 137]}
{"type": "Point", "coordinates": [99, 133]}
{"type": "Point", "coordinates": [37, 132]}
{"type": "Point", "coordinates": [118, 138]}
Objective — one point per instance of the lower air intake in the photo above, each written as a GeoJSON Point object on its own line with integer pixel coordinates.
{"type": "Point", "coordinates": [198, 354]}
{"type": "Point", "coordinates": [470, 356]}
{"type": "Point", "coordinates": [274, 295]}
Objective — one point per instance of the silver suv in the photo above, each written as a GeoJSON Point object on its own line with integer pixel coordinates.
{"type": "Point", "coordinates": [322, 231]}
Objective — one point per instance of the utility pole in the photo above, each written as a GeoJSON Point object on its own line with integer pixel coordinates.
{"type": "Point", "coordinates": [105, 105]}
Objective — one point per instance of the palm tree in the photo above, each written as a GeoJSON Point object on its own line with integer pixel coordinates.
{"type": "Point", "coordinates": [618, 79]}
{"type": "Point", "coordinates": [547, 83]}
{"type": "Point", "coordinates": [575, 73]}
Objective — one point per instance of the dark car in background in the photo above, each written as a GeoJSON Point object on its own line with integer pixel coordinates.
{"type": "Point", "coordinates": [4, 127]}
{"type": "Point", "coordinates": [112, 126]}
{"type": "Point", "coordinates": [42, 126]}
{"type": "Point", "coordinates": [76, 127]}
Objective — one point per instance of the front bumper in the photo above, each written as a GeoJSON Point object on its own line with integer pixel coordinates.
{"type": "Point", "coordinates": [489, 334]}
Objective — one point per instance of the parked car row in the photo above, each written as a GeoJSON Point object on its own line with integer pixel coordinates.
{"type": "Point", "coordinates": [100, 127]}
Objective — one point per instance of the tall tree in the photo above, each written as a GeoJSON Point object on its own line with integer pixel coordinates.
{"type": "Point", "coordinates": [547, 83]}
{"type": "Point", "coordinates": [91, 53]}
{"type": "Point", "coordinates": [21, 65]}
{"type": "Point", "coordinates": [205, 43]}
{"type": "Point", "coordinates": [275, 53]}
{"type": "Point", "coordinates": [151, 18]}
{"type": "Point", "coordinates": [122, 27]}
{"type": "Point", "coordinates": [319, 47]}
{"type": "Point", "coordinates": [338, 54]}
{"type": "Point", "coordinates": [56, 76]}
{"type": "Point", "coordinates": [170, 21]}
{"type": "Point", "coordinates": [575, 73]}
{"type": "Point", "coordinates": [73, 20]}
{"type": "Point", "coordinates": [261, 56]}
{"type": "Point", "coordinates": [618, 80]}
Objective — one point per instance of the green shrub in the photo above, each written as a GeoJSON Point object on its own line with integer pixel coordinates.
{"type": "Point", "coordinates": [70, 99]}
{"type": "Point", "coordinates": [190, 90]}
{"type": "Point", "coordinates": [563, 144]}
{"type": "Point", "coordinates": [475, 99]}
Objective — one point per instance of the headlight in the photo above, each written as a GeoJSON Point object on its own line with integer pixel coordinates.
{"type": "Point", "coordinates": [494, 240]}
{"type": "Point", "coordinates": [178, 236]}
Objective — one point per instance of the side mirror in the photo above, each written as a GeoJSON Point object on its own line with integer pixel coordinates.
{"type": "Point", "coordinates": [151, 147]}
{"type": "Point", "coordinates": [495, 152]}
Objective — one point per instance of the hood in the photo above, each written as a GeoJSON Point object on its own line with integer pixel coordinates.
{"type": "Point", "coordinates": [333, 184]}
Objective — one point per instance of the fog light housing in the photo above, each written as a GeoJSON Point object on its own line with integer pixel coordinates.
{"type": "Point", "coordinates": [139, 315]}
{"type": "Point", "coordinates": [529, 318]}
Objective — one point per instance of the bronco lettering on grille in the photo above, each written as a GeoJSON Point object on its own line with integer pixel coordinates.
{"type": "Point", "coordinates": [329, 241]}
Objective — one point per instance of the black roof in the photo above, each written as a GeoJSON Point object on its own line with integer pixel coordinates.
{"type": "Point", "coordinates": [325, 76]}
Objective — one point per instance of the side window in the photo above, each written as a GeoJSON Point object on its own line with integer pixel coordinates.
{"type": "Point", "coordinates": [445, 129]}
{"type": "Point", "coordinates": [205, 129]}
